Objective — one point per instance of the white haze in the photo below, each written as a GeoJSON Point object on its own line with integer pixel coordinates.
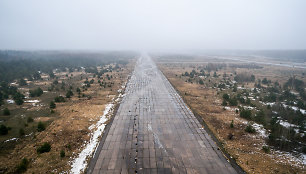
{"type": "Point", "coordinates": [152, 24]}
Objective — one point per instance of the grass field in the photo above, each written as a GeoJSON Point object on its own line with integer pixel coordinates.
{"type": "Point", "coordinates": [66, 126]}
{"type": "Point", "coordinates": [250, 150]}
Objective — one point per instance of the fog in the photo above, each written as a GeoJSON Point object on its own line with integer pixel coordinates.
{"type": "Point", "coordinates": [152, 24]}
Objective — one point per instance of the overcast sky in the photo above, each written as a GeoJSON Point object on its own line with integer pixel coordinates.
{"type": "Point", "coordinates": [152, 24]}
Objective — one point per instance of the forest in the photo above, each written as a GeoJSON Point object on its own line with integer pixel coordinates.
{"type": "Point", "coordinates": [29, 64]}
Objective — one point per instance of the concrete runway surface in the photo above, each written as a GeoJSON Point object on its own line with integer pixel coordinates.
{"type": "Point", "coordinates": [153, 131]}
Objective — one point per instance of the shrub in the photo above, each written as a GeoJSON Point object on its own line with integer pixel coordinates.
{"type": "Point", "coordinates": [18, 98]}
{"type": "Point", "coordinates": [3, 130]}
{"type": "Point", "coordinates": [79, 91]}
{"type": "Point", "coordinates": [246, 114]}
{"type": "Point", "coordinates": [260, 117]}
{"type": "Point", "coordinates": [30, 120]}
{"type": "Point", "coordinates": [6, 111]}
{"type": "Point", "coordinates": [22, 82]}
{"type": "Point", "coordinates": [201, 82]}
{"type": "Point", "coordinates": [244, 78]}
{"type": "Point", "coordinates": [230, 136]}
{"type": "Point", "coordinates": [55, 82]}
{"type": "Point", "coordinates": [52, 105]}
{"type": "Point", "coordinates": [304, 149]}
{"type": "Point", "coordinates": [225, 96]}
{"type": "Point", "coordinates": [224, 103]}
{"type": "Point", "coordinates": [266, 149]}
{"type": "Point", "coordinates": [23, 166]}
{"type": "Point", "coordinates": [69, 94]}
{"type": "Point", "coordinates": [40, 127]}
{"type": "Point", "coordinates": [62, 154]}
{"type": "Point", "coordinates": [232, 124]}
{"type": "Point", "coordinates": [21, 132]}
{"type": "Point", "coordinates": [36, 92]}
{"type": "Point", "coordinates": [233, 102]}
{"type": "Point", "coordinates": [59, 99]}
{"type": "Point", "coordinates": [46, 147]}
{"type": "Point", "coordinates": [250, 129]}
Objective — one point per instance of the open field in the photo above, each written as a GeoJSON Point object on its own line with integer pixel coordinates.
{"type": "Point", "coordinates": [67, 126]}
{"type": "Point", "coordinates": [203, 88]}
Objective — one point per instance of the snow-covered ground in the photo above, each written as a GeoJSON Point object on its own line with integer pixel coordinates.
{"type": "Point", "coordinates": [12, 139]}
{"type": "Point", "coordinates": [32, 101]}
{"type": "Point", "coordinates": [298, 160]}
{"type": "Point", "coordinates": [289, 125]}
{"type": "Point", "coordinates": [10, 101]}
{"type": "Point", "coordinates": [80, 162]}
{"type": "Point", "coordinates": [260, 130]}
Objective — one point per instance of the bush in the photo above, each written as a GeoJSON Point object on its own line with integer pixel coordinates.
{"type": "Point", "coordinates": [22, 82]}
{"type": "Point", "coordinates": [40, 127]}
{"type": "Point", "coordinates": [3, 130]}
{"type": "Point", "coordinates": [230, 136]}
{"type": "Point", "coordinates": [244, 78]}
{"type": "Point", "coordinates": [266, 149]}
{"type": "Point", "coordinates": [59, 99]}
{"type": "Point", "coordinates": [232, 124]}
{"type": "Point", "coordinates": [225, 96]}
{"type": "Point", "coordinates": [78, 90]}
{"type": "Point", "coordinates": [69, 94]}
{"type": "Point", "coordinates": [23, 166]}
{"type": "Point", "coordinates": [30, 120]}
{"type": "Point", "coordinates": [36, 92]}
{"type": "Point", "coordinates": [46, 147]}
{"type": "Point", "coordinates": [62, 154]}
{"type": "Point", "coordinates": [246, 114]}
{"type": "Point", "coordinates": [224, 103]}
{"type": "Point", "coordinates": [55, 82]}
{"type": "Point", "coordinates": [233, 102]}
{"type": "Point", "coordinates": [6, 111]}
{"type": "Point", "coordinates": [250, 129]}
{"type": "Point", "coordinates": [260, 117]}
{"type": "Point", "coordinates": [304, 149]}
{"type": "Point", "coordinates": [21, 132]}
{"type": "Point", "coordinates": [18, 98]}
{"type": "Point", "coordinates": [52, 105]}
{"type": "Point", "coordinates": [201, 82]}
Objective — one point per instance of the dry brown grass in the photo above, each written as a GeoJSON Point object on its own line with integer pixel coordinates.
{"type": "Point", "coordinates": [244, 147]}
{"type": "Point", "coordinates": [67, 132]}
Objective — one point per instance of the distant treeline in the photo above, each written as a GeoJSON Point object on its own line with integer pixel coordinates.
{"type": "Point", "coordinates": [285, 55]}
{"type": "Point", "coordinates": [26, 64]}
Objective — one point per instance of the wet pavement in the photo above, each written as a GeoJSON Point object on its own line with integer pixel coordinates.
{"type": "Point", "coordinates": [155, 132]}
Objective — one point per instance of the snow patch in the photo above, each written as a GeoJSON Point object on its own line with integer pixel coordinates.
{"type": "Point", "coordinates": [32, 101]}
{"type": "Point", "coordinates": [298, 160]}
{"type": "Point", "coordinates": [12, 139]}
{"type": "Point", "coordinates": [295, 108]}
{"type": "Point", "coordinates": [262, 132]}
{"type": "Point", "coordinates": [10, 101]}
{"type": "Point", "coordinates": [79, 164]}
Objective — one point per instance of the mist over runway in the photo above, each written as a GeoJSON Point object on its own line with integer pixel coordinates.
{"type": "Point", "coordinates": [155, 132]}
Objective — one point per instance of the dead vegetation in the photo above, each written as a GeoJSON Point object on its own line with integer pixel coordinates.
{"type": "Point", "coordinates": [67, 128]}
{"type": "Point", "coordinates": [246, 148]}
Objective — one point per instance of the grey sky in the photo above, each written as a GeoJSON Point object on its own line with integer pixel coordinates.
{"type": "Point", "coordinates": [152, 24]}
